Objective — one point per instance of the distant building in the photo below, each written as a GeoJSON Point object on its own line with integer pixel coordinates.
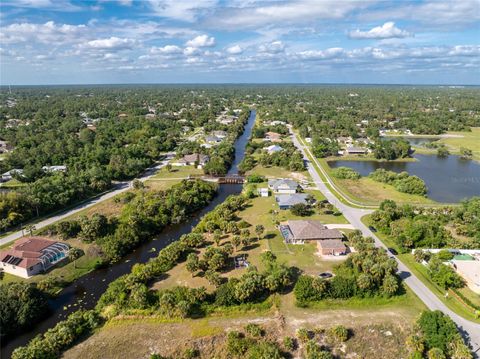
{"type": "Point", "coordinates": [273, 148]}
{"type": "Point", "coordinates": [54, 168]}
{"type": "Point", "coordinates": [352, 150]}
{"type": "Point", "coordinates": [212, 139]}
{"type": "Point", "coordinates": [7, 176]}
{"type": "Point", "coordinates": [220, 134]}
{"type": "Point", "coordinates": [299, 231]}
{"type": "Point", "coordinates": [273, 137]}
{"type": "Point", "coordinates": [283, 185]}
{"type": "Point", "coordinates": [287, 201]}
{"type": "Point", "coordinates": [32, 255]}
{"type": "Point", "coordinates": [194, 159]}
{"type": "Point", "coordinates": [263, 192]}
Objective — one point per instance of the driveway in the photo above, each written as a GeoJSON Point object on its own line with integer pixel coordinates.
{"type": "Point", "coordinates": [470, 330]}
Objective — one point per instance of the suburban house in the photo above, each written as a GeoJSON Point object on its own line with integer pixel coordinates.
{"type": "Point", "coordinates": [331, 247]}
{"type": "Point", "coordinates": [213, 139]}
{"type": "Point", "coordinates": [352, 150]}
{"type": "Point", "coordinates": [273, 137]}
{"type": "Point", "coordinates": [32, 255]}
{"type": "Point", "coordinates": [7, 176]}
{"type": "Point", "coordinates": [286, 201]}
{"type": "Point", "coordinates": [220, 134]}
{"type": "Point", "coordinates": [194, 159]}
{"type": "Point", "coordinates": [263, 192]}
{"type": "Point", "coordinates": [299, 231]}
{"type": "Point", "coordinates": [273, 148]}
{"type": "Point", "coordinates": [54, 168]}
{"type": "Point", "coordinates": [283, 185]}
{"type": "Point", "coordinates": [345, 140]}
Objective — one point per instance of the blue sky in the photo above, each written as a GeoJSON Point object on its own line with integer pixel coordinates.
{"type": "Point", "coordinates": [254, 41]}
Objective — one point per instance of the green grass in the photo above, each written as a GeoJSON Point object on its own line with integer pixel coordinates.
{"type": "Point", "coordinates": [421, 272]}
{"type": "Point", "coordinates": [177, 172]}
{"type": "Point", "coordinates": [278, 172]}
{"type": "Point", "coordinates": [470, 140]}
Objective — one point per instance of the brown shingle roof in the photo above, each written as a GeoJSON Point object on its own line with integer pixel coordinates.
{"type": "Point", "coordinates": [309, 229]}
{"type": "Point", "coordinates": [332, 244]}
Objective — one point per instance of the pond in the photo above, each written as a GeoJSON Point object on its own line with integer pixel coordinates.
{"type": "Point", "coordinates": [449, 180]}
{"type": "Point", "coordinates": [85, 292]}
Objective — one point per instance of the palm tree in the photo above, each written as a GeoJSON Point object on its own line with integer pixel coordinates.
{"type": "Point", "coordinates": [259, 229]}
{"type": "Point", "coordinates": [415, 344]}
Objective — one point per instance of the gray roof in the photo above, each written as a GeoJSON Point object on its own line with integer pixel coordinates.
{"type": "Point", "coordinates": [282, 183]}
{"type": "Point", "coordinates": [291, 199]}
{"type": "Point", "coordinates": [356, 149]}
{"type": "Point", "coordinates": [310, 229]}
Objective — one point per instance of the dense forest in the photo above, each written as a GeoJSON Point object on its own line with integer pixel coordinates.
{"type": "Point", "coordinates": [101, 135]}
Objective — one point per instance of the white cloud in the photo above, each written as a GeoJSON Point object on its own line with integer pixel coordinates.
{"type": "Point", "coordinates": [48, 33]}
{"type": "Point", "coordinates": [234, 50]}
{"type": "Point", "coordinates": [201, 41]}
{"type": "Point", "coordinates": [321, 54]}
{"type": "Point", "coordinates": [125, 2]}
{"type": "Point", "coordinates": [166, 50]}
{"type": "Point", "coordinates": [112, 43]}
{"type": "Point", "coordinates": [273, 47]}
{"type": "Point", "coordinates": [190, 51]}
{"type": "Point", "coordinates": [185, 10]}
{"type": "Point", "coordinates": [386, 31]}
{"type": "Point", "coordinates": [56, 5]}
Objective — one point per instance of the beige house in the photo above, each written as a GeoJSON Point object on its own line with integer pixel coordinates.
{"type": "Point", "coordinates": [299, 231]}
{"type": "Point", "coordinates": [331, 247]}
{"type": "Point", "coordinates": [194, 159]}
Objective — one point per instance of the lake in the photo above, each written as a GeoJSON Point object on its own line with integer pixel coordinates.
{"type": "Point", "coordinates": [449, 180]}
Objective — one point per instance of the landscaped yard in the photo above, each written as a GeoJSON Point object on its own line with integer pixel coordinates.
{"type": "Point", "coordinates": [422, 273]}
{"type": "Point", "coordinates": [470, 140]}
{"type": "Point", "coordinates": [177, 172]}
{"type": "Point", "coordinates": [303, 257]}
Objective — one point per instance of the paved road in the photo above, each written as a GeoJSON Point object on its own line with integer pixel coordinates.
{"type": "Point", "coordinates": [470, 330]}
{"type": "Point", "coordinates": [118, 188]}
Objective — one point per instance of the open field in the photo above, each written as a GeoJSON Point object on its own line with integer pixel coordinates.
{"type": "Point", "coordinates": [367, 190]}
{"type": "Point", "coordinates": [139, 336]}
{"type": "Point", "coordinates": [177, 172]}
{"type": "Point", "coordinates": [422, 273]}
{"type": "Point", "coordinates": [278, 172]}
{"type": "Point", "coordinates": [470, 140]}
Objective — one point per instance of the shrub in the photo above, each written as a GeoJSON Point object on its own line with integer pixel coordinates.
{"type": "Point", "coordinates": [264, 350]}
{"type": "Point", "coordinates": [289, 343]}
{"type": "Point", "coordinates": [301, 209]}
{"type": "Point", "coordinates": [254, 330]}
{"type": "Point", "coordinates": [338, 334]}
{"type": "Point", "coordinates": [237, 344]}
{"type": "Point", "coordinates": [314, 351]}
{"type": "Point", "coordinates": [345, 173]}
{"type": "Point", "coordinates": [303, 335]}
{"type": "Point", "coordinates": [255, 178]}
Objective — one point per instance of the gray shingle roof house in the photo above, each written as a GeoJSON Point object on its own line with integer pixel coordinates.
{"type": "Point", "coordinates": [299, 231]}
{"type": "Point", "coordinates": [283, 185]}
{"type": "Point", "coordinates": [191, 160]}
{"type": "Point", "coordinates": [273, 148]}
{"type": "Point", "coordinates": [356, 150]}
{"type": "Point", "coordinates": [286, 201]}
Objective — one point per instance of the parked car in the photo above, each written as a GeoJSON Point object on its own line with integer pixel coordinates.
{"type": "Point", "coordinates": [325, 275]}
{"type": "Point", "coordinates": [372, 228]}
{"type": "Point", "coordinates": [393, 251]}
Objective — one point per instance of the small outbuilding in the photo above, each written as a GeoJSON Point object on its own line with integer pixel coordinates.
{"type": "Point", "coordinates": [331, 247]}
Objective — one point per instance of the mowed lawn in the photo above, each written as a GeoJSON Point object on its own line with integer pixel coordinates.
{"type": "Point", "coordinates": [177, 172]}
{"type": "Point", "coordinates": [259, 211]}
{"type": "Point", "coordinates": [470, 140]}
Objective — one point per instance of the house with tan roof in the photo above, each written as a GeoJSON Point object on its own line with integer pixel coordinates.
{"type": "Point", "coordinates": [299, 231]}
{"type": "Point", "coordinates": [194, 159]}
{"type": "Point", "coordinates": [32, 255]}
{"type": "Point", "coordinates": [273, 137]}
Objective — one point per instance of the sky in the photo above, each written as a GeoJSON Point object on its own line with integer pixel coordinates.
{"type": "Point", "coordinates": [239, 41]}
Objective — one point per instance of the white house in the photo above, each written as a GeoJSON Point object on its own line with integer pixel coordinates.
{"type": "Point", "coordinates": [263, 192]}
{"type": "Point", "coordinates": [283, 185]}
{"type": "Point", "coordinates": [54, 168]}
{"type": "Point", "coordinates": [7, 176]}
{"type": "Point", "coordinates": [273, 148]}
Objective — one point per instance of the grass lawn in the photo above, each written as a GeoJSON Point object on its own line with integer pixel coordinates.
{"type": "Point", "coordinates": [422, 273]}
{"type": "Point", "coordinates": [302, 256]}
{"type": "Point", "coordinates": [367, 190]}
{"type": "Point", "coordinates": [13, 183]}
{"type": "Point", "coordinates": [177, 172]}
{"type": "Point", "coordinates": [470, 140]}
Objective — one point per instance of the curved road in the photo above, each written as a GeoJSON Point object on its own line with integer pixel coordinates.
{"type": "Point", "coordinates": [470, 330]}
{"type": "Point", "coordinates": [118, 188]}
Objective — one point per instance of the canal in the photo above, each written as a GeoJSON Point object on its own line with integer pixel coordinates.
{"type": "Point", "coordinates": [85, 292]}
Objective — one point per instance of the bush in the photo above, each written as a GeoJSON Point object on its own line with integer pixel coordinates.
{"type": "Point", "coordinates": [338, 334]}
{"type": "Point", "coordinates": [255, 178]}
{"type": "Point", "coordinates": [346, 173]}
{"type": "Point", "coordinates": [237, 344]}
{"type": "Point", "coordinates": [289, 343]}
{"type": "Point", "coordinates": [301, 209]}
{"type": "Point", "coordinates": [314, 351]}
{"type": "Point", "coordinates": [264, 350]}
{"type": "Point", "coordinates": [254, 330]}
{"type": "Point", "coordinates": [303, 335]}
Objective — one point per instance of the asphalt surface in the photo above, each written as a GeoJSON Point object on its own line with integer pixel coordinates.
{"type": "Point", "coordinates": [117, 189]}
{"type": "Point", "coordinates": [470, 330]}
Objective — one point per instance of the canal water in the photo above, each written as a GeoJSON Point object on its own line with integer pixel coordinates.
{"type": "Point", "coordinates": [85, 292]}
{"type": "Point", "coordinates": [449, 180]}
